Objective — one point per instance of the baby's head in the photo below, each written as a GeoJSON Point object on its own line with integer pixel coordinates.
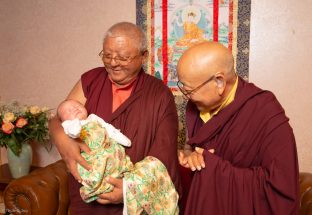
{"type": "Point", "coordinates": [71, 109]}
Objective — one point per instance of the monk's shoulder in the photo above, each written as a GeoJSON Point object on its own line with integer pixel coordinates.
{"type": "Point", "coordinates": [93, 74]}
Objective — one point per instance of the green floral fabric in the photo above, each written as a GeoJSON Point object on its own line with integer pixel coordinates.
{"type": "Point", "coordinates": [149, 189]}
{"type": "Point", "coordinates": [108, 158]}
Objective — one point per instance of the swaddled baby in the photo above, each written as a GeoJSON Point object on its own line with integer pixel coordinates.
{"type": "Point", "coordinates": [107, 156]}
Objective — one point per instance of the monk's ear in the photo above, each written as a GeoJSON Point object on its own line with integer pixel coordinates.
{"type": "Point", "coordinates": [220, 81]}
{"type": "Point", "coordinates": [144, 56]}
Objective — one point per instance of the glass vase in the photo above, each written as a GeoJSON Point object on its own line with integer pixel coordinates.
{"type": "Point", "coordinates": [20, 165]}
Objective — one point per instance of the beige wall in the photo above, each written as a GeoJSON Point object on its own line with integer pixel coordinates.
{"type": "Point", "coordinates": [280, 61]}
{"type": "Point", "coordinates": [47, 44]}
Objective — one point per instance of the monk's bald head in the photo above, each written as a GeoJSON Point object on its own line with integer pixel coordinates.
{"type": "Point", "coordinates": [130, 30]}
{"type": "Point", "coordinates": [206, 59]}
{"type": "Point", "coordinates": [206, 75]}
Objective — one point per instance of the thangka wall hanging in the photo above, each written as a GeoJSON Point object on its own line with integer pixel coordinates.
{"type": "Point", "coordinates": [172, 26]}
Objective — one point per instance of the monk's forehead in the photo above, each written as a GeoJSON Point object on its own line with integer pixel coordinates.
{"type": "Point", "coordinates": [196, 63]}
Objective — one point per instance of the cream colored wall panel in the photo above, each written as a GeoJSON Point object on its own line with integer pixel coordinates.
{"type": "Point", "coordinates": [47, 44]}
{"type": "Point", "coordinates": [280, 61]}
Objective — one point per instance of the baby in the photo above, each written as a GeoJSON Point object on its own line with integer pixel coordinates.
{"type": "Point", "coordinates": [107, 156]}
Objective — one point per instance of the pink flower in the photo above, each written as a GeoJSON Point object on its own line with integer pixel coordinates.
{"type": "Point", "coordinates": [7, 127]}
{"type": "Point", "coordinates": [21, 122]}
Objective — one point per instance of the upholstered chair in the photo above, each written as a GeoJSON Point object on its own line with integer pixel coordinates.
{"type": "Point", "coordinates": [45, 191]}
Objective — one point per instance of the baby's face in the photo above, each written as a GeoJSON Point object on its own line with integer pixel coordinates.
{"type": "Point", "coordinates": [73, 110]}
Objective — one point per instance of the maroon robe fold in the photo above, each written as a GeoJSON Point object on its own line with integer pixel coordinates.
{"type": "Point", "coordinates": [254, 169]}
{"type": "Point", "coordinates": [148, 118]}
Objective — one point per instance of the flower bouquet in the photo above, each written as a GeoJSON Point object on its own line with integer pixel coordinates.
{"type": "Point", "coordinates": [21, 124]}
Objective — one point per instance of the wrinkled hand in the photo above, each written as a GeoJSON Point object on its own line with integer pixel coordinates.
{"type": "Point", "coordinates": [193, 159]}
{"type": "Point", "coordinates": [71, 153]}
{"type": "Point", "coordinates": [183, 155]}
{"type": "Point", "coordinates": [114, 197]}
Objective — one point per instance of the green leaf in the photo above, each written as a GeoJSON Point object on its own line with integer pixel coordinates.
{"type": "Point", "coordinates": [15, 146]}
{"type": "Point", "coordinates": [18, 130]}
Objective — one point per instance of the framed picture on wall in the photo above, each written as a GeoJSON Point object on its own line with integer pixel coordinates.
{"type": "Point", "coordinates": [172, 26]}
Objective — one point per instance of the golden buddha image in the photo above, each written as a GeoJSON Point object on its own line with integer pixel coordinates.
{"type": "Point", "coordinates": [192, 33]}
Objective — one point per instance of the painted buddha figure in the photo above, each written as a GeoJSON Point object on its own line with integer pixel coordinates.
{"type": "Point", "coordinates": [192, 33]}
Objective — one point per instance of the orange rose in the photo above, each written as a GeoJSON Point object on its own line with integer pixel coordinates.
{"type": "Point", "coordinates": [7, 127]}
{"type": "Point", "coordinates": [21, 122]}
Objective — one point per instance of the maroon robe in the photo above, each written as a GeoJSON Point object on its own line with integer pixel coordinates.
{"type": "Point", "coordinates": [148, 118]}
{"type": "Point", "coordinates": [254, 169]}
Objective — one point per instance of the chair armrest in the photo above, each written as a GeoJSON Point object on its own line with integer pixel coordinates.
{"type": "Point", "coordinates": [43, 191]}
{"type": "Point", "coordinates": [305, 193]}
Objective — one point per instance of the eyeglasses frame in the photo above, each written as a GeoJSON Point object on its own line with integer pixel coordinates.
{"type": "Point", "coordinates": [125, 63]}
{"type": "Point", "coordinates": [189, 92]}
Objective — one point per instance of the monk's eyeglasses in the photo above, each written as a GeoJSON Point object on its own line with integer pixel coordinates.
{"type": "Point", "coordinates": [124, 61]}
{"type": "Point", "coordinates": [189, 92]}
